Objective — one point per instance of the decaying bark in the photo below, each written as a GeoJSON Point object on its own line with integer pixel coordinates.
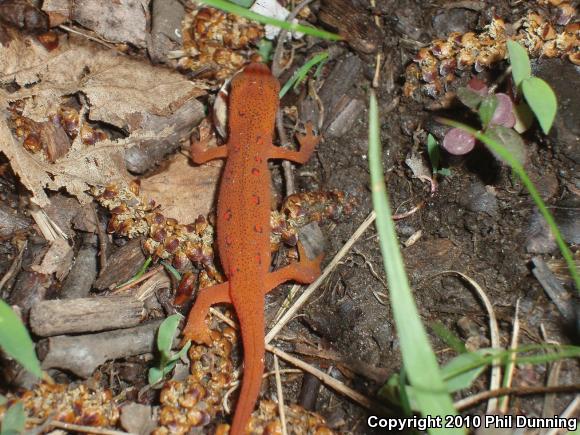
{"type": "Point", "coordinates": [82, 354]}
{"type": "Point", "coordinates": [72, 316]}
{"type": "Point", "coordinates": [121, 265]}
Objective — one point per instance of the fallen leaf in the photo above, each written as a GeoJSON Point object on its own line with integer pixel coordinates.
{"type": "Point", "coordinates": [58, 259]}
{"type": "Point", "coordinates": [115, 89]}
{"type": "Point", "coordinates": [120, 91]}
{"type": "Point", "coordinates": [183, 191]}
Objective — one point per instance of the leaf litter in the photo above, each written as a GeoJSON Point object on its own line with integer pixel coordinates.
{"type": "Point", "coordinates": [112, 88]}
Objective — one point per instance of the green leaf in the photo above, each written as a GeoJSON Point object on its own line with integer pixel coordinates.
{"type": "Point", "coordinates": [521, 69]}
{"type": "Point", "coordinates": [154, 375]}
{"type": "Point", "coordinates": [460, 373]}
{"type": "Point", "coordinates": [14, 419]}
{"type": "Point", "coordinates": [181, 353]}
{"type": "Point", "coordinates": [469, 97]}
{"type": "Point", "coordinates": [434, 152]}
{"type": "Point", "coordinates": [3, 399]}
{"type": "Point", "coordinates": [265, 47]}
{"type": "Point", "coordinates": [542, 101]}
{"type": "Point", "coordinates": [524, 117]}
{"type": "Point", "coordinates": [511, 141]}
{"type": "Point", "coordinates": [166, 333]}
{"type": "Point", "coordinates": [487, 109]}
{"type": "Point", "coordinates": [15, 340]}
{"type": "Point", "coordinates": [448, 337]}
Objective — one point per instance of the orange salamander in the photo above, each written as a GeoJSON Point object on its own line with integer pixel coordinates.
{"type": "Point", "coordinates": [243, 225]}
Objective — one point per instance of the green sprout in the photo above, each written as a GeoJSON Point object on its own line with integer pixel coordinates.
{"type": "Point", "coordinates": [167, 359]}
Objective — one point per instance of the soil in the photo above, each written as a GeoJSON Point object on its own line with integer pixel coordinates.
{"type": "Point", "coordinates": [480, 222]}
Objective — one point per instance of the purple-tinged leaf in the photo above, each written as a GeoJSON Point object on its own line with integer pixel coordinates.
{"type": "Point", "coordinates": [478, 86]}
{"type": "Point", "coordinates": [504, 112]}
{"type": "Point", "coordinates": [458, 142]}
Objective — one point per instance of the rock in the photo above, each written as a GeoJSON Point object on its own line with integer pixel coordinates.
{"type": "Point", "coordinates": [479, 199]}
{"type": "Point", "coordinates": [454, 20]}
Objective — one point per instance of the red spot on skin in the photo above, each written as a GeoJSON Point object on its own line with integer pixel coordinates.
{"type": "Point", "coordinates": [228, 240]}
{"type": "Point", "coordinates": [256, 199]}
{"type": "Point", "coordinates": [258, 158]}
{"type": "Point", "coordinates": [228, 214]}
{"type": "Point", "coordinates": [255, 171]}
{"type": "Point", "coordinates": [258, 228]}
{"type": "Point", "coordinates": [258, 258]}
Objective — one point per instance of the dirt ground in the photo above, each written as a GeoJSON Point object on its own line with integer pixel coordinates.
{"type": "Point", "coordinates": [480, 222]}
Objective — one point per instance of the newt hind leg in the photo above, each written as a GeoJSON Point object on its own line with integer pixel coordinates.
{"type": "Point", "coordinates": [304, 271]}
{"type": "Point", "coordinates": [196, 328]}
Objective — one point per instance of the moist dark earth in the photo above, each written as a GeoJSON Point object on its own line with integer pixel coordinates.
{"type": "Point", "coordinates": [481, 221]}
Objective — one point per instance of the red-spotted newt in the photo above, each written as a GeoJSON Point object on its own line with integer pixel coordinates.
{"type": "Point", "coordinates": [243, 225]}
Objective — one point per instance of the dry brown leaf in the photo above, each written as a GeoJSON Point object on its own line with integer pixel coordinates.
{"type": "Point", "coordinates": [184, 191]}
{"type": "Point", "coordinates": [120, 91]}
{"type": "Point", "coordinates": [116, 21]}
{"type": "Point", "coordinates": [82, 168]}
{"type": "Point", "coordinates": [57, 259]}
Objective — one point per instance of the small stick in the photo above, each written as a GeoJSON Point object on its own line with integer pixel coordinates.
{"type": "Point", "coordinates": [468, 402]}
{"type": "Point", "coordinates": [102, 242]}
{"type": "Point", "coordinates": [138, 280]}
{"type": "Point", "coordinates": [15, 264]}
{"type": "Point", "coordinates": [494, 333]}
{"type": "Point", "coordinates": [280, 396]}
{"type": "Point", "coordinates": [504, 401]}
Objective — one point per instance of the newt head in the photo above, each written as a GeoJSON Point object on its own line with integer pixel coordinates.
{"type": "Point", "coordinates": [253, 100]}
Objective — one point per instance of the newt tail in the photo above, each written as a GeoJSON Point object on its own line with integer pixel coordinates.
{"type": "Point", "coordinates": [243, 225]}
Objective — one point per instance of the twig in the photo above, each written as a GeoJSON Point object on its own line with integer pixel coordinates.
{"type": "Point", "coordinates": [15, 264]}
{"type": "Point", "coordinates": [509, 374]}
{"type": "Point", "coordinates": [314, 286]}
{"type": "Point", "coordinates": [276, 64]}
{"type": "Point", "coordinates": [280, 396]}
{"type": "Point", "coordinates": [568, 413]}
{"type": "Point", "coordinates": [138, 280]}
{"type": "Point", "coordinates": [102, 242]}
{"type": "Point", "coordinates": [468, 402]}
{"type": "Point", "coordinates": [276, 71]}
{"type": "Point", "coordinates": [92, 38]}
{"type": "Point", "coordinates": [494, 334]}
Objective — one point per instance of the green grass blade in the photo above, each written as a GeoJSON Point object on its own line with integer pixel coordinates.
{"type": "Point", "coordinates": [14, 420]}
{"type": "Point", "coordinates": [418, 358]}
{"type": "Point", "coordinates": [507, 157]}
{"type": "Point", "coordinates": [300, 73]}
{"type": "Point", "coordinates": [292, 27]}
{"type": "Point", "coordinates": [15, 340]}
